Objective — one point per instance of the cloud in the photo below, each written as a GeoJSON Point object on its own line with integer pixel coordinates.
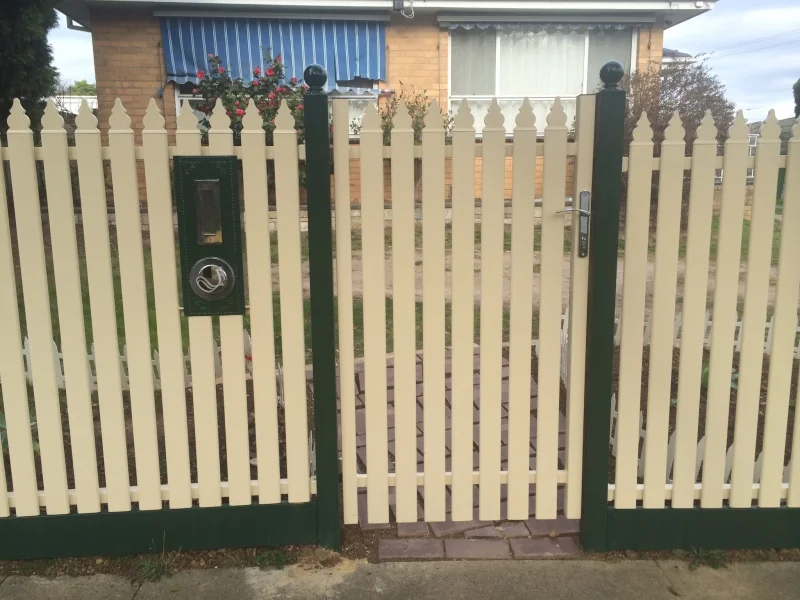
{"type": "Point", "coordinates": [758, 76]}
{"type": "Point", "coordinates": [72, 51]}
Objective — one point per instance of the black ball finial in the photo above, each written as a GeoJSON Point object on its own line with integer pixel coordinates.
{"type": "Point", "coordinates": [611, 74]}
{"type": "Point", "coordinates": [315, 76]}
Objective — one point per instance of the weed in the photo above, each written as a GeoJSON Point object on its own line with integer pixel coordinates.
{"type": "Point", "coordinates": [276, 559]}
{"type": "Point", "coordinates": [699, 557]}
{"type": "Point", "coordinates": [158, 566]}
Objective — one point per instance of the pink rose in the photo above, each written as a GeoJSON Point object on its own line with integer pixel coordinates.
{"type": "Point", "coordinates": [299, 107]}
{"type": "Point", "coordinates": [257, 71]}
{"type": "Point", "coordinates": [239, 112]}
{"type": "Point", "coordinates": [278, 59]}
{"type": "Point", "coordinates": [229, 113]}
{"type": "Point", "coordinates": [210, 55]}
{"type": "Point", "coordinates": [221, 70]}
{"type": "Point", "coordinates": [194, 90]}
{"type": "Point", "coordinates": [201, 74]}
{"type": "Point", "coordinates": [236, 103]}
{"type": "Point", "coordinates": [293, 80]}
{"type": "Point", "coordinates": [270, 72]}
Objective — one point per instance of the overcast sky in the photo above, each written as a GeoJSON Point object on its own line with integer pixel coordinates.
{"type": "Point", "coordinates": [758, 75]}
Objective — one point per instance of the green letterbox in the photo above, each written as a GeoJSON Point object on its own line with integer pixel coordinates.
{"type": "Point", "coordinates": [210, 235]}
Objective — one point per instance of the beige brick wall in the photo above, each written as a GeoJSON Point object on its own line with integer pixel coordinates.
{"type": "Point", "coordinates": [651, 46]}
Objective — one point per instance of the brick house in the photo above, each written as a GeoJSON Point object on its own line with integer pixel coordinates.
{"type": "Point", "coordinates": [453, 49]}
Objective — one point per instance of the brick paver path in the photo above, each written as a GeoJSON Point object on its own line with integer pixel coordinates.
{"type": "Point", "coordinates": [483, 538]}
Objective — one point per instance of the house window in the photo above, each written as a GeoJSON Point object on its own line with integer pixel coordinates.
{"type": "Point", "coordinates": [537, 61]}
{"type": "Point", "coordinates": [752, 140]}
{"type": "Point", "coordinates": [358, 93]}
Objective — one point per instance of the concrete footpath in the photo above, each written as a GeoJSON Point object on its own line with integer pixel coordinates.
{"type": "Point", "coordinates": [506, 580]}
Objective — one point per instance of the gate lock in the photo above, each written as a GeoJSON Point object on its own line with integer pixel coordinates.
{"type": "Point", "coordinates": [209, 228]}
{"type": "Point", "coordinates": [583, 223]}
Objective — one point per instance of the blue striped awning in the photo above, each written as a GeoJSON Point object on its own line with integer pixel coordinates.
{"type": "Point", "coordinates": [348, 49]}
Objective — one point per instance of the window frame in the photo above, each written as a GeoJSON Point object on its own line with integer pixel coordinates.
{"type": "Point", "coordinates": [540, 131]}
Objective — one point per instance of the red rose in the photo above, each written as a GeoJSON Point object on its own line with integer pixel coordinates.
{"type": "Point", "coordinates": [257, 71]}
{"type": "Point", "coordinates": [239, 111]}
{"type": "Point", "coordinates": [236, 103]}
{"type": "Point", "coordinates": [201, 74]}
{"type": "Point", "coordinates": [194, 90]}
{"type": "Point", "coordinates": [293, 80]}
{"type": "Point", "coordinates": [221, 70]}
{"type": "Point", "coordinates": [229, 113]}
{"type": "Point", "coordinates": [299, 107]}
{"type": "Point", "coordinates": [270, 72]}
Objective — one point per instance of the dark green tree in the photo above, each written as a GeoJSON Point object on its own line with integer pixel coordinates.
{"type": "Point", "coordinates": [796, 89]}
{"type": "Point", "coordinates": [26, 59]}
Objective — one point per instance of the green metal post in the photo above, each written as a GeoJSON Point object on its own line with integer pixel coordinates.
{"type": "Point", "coordinates": [604, 233]}
{"type": "Point", "coordinates": [323, 346]}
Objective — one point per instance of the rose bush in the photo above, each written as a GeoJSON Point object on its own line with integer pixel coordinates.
{"type": "Point", "coordinates": [267, 89]}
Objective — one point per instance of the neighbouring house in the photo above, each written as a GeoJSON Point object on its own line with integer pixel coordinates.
{"type": "Point", "coordinates": [674, 56]}
{"type": "Point", "coordinates": [453, 49]}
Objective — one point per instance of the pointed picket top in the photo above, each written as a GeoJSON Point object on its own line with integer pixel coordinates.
{"type": "Point", "coordinates": [707, 132]}
{"type": "Point", "coordinates": [119, 119]}
{"type": "Point", "coordinates": [675, 131]}
{"type": "Point", "coordinates": [284, 121]}
{"type": "Point", "coordinates": [464, 118]}
{"type": "Point", "coordinates": [494, 118]}
{"type": "Point", "coordinates": [557, 117]}
{"type": "Point", "coordinates": [371, 121]}
{"type": "Point", "coordinates": [252, 121]}
{"type": "Point", "coordinates": [433, 118]}
{"type": "Point", "coordinates": [52, 119]}
{"type": "Point", "coordinates": [153, 119]}
{"type": "Point", "coordinates": [17, 119]}
{"type": "Point", "coordinates": [643, 132]}
{"type": "Point", "coordinates": [85, 119]}
{"type": "Point", "coordinates": [770, 130]}
{"type": "Point", "coordinates": [187, 120]}
{"type": "Point", "coordinates": [219, 119]}
{"type": "Point", "coordinates": [402, 120]}
{"type": "Point", "coordinates": [525, 118]}
{"type": "Point", "coordinates": [738, 130]}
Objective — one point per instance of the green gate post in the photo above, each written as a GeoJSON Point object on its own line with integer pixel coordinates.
{"type": "Point", "coordinates": [323, 346]}
{"type": "Point", "coordinates": [604, 234]}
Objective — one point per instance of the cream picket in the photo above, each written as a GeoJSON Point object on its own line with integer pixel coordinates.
{"type": "Point", "coordinates": [578, 292]}
{"type": "Point", "coordinates": [637, 217]}
{"type": "Point", "coordinates": [12, 375]}
{"type": "Point", "coordinates": [37, 308]}
{"type": "Point", "coordinates": [374, 317]}
{"type": "Point", "coordinates": [433, 312]}
{"type": "Point", "coordinates": [463, 312]}
{"type": "Point", "coordinates": [783, 340]}
{"type": "Point", "coordinates": [724, 314]}
{"type": "Point", "coordinates": [259, 279]}
{"type": "Point", "coordinates": [555, 171]}
{"type": "Point", "coordinates": [237, 442]}
{"type": "Point", "coordinates": [70, 310]}
{"type": "Point", "coordinates": [165, 291]}
{"type": "Point", "coordinates": [403, 311]}
{"type": "Point", "coordinates": [491, 311]}
{"type": "Point", "coordinates": [755, 311]}
{"type": "Point", "coordinates": [201, 352]}
{"type": "Point", "coordinates": [670, 189]}
{"type": "Point", "coordinates": [103, 310]}
{"type": "Point", "coordinates": [344, 294]}
{"type": "Point", "coordinates": [134, 305]}
{"type": "Point", "coordinates": [701, 195]}
{"type": "Point", "coordinates": [521, 319]}
{"type": "Point", "coordinates": [287, 194]}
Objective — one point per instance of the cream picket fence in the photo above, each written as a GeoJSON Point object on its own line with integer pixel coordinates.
{"type": "Point", "coordinates": [425, 439]}
{"type": "Point", "coordinates": [253, 470]}
{"type": "Point", "coordinates": [673, 464]}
